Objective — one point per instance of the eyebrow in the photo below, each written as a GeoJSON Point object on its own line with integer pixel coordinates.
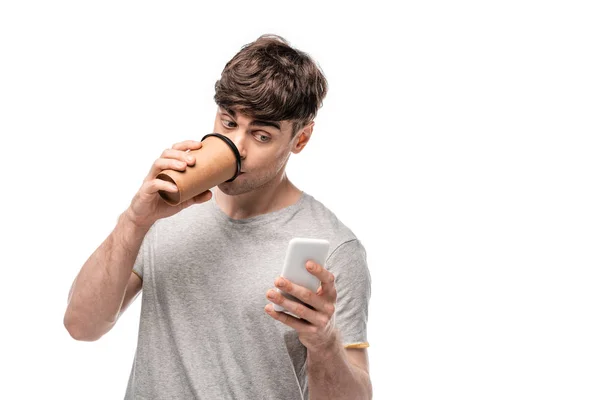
{"type": "Point", "coordinates": [256, 122]}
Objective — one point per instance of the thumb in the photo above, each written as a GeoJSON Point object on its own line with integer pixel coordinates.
{"type": "Point", "coordinates": [202, 197]}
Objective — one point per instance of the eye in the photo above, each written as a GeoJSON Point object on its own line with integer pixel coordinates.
{"type": "Point", "coordinates": [263, 138]}
{"type": "Point", "coordinates": [226, 121]}
{"type": "Point", "coordinates": [260, 138]}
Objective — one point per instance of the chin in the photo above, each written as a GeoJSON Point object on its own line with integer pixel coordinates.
{"type": "Point", "coordinates": [235, 187]}
{"type": "Point", "coordinates": [239, 186]}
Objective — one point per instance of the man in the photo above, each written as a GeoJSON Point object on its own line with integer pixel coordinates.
{"type": "Point", "coordinates": [207, 267]}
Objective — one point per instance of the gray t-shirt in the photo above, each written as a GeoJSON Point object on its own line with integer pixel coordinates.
{"type": "Point", "coordinates": [203, 330]}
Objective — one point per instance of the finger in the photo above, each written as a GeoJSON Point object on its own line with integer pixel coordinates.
{"type": "Point", "coordinates": [170, 159]}
{"type": "Point", "coordinates": [186, 147]}
{"type": "Point", "coordinates": [303, 312]}
{"type": "Point", "coordinates": [188, 144]}
{"type": "Point", "coordinates": [158, 184]}
{"type": "Point", "coordinates": [170, 163]}
{"type": "Point", "coordinates": [162, 164]}
{"type": "Point", "coordinates": [301, 293]}
{"type": "Point", "coordinates": [327, 279]}
{"type": "Point", "coordinates": [179, 155]}
{"type": "Point", "coordinates": [297, 324]}
{"type": "Point", "coordinates": [317, 270]}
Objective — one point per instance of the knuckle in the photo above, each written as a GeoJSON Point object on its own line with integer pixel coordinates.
{"type": "Point", "coordinates": [314, 329]}
{"type": "Point", "coordinates": [319, 323]}
{"type": "Point", "coordinates": [331, 309]}
{"type": "Point", "coordinates": [323, 322]}
{"type": "Point", "coordinates": [299, 311]}
{"type": "Point", "coordinates": [306, 296]}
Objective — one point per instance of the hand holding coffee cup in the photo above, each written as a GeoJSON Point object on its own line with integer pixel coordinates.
{"type": "Point", "coordinates": [217, 161]}
{"type": "Point", "coordinates": [147, 206]}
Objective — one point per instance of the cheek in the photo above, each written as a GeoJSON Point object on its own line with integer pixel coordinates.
{"type": "Point", "coordinates": [278, 160]}
{"type": "Point", "coordinates": [266, 161]}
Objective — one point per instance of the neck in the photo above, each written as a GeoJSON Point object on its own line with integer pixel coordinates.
{"type": "Point", "coordinates": [276, 194]}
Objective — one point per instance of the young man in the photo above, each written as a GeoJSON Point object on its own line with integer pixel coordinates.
{"type": "Point", "coordinates": [207, 267]}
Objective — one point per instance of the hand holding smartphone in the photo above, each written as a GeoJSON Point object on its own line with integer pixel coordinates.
{"type": "Point", "coordinates": [299, 252]}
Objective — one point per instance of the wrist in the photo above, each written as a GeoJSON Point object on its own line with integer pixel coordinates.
{"type": "Point", "coordinates": [330, 347]}
{"type": "Point", "coordinates": [130, 227]}
{"type": "Point", "coordinates": [128, 219]}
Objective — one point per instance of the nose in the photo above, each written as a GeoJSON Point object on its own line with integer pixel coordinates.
{"type": "Point", "coordinates": [238, 137]}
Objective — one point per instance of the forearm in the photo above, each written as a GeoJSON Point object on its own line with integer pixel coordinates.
{"type": "Point", "coordinates": [331, 376]}
{"type": "Point", "coordinates": [97, 292]}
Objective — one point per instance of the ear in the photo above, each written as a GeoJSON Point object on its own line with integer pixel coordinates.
{"type": "Point", "coordinates": [302, 138]}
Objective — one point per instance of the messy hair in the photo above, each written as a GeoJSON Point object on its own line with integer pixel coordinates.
{"type": "Point", "coordinates": [269, 80]}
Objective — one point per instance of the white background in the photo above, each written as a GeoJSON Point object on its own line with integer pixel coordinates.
{"type": "Point", "coordinates": [459, 141]}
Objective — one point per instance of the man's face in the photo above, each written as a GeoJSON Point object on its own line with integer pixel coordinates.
{"type": "Point", "coordinates": [264, 147]}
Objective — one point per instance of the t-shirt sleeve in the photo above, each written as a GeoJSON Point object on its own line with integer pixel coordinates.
{"type": "Point", "coordinates": [138, 266]}
{"type": "Point", "coordinates": [348, 264]}
{"type": "Point", "coordinates": [140, 261]}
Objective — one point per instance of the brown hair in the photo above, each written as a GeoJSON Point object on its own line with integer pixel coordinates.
{"type": "Point", "coordinates": [269, 80]}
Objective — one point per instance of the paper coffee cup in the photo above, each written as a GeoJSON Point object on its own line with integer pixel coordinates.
{"type": "Point", "coordinates": [217, 161]}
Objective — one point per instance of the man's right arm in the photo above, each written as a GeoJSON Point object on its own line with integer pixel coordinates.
{"type": "Point", "coordinates": [105, 283]}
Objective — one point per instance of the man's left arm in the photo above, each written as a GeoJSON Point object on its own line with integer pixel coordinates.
{"type": "Point", "coordinates": [334, 372]}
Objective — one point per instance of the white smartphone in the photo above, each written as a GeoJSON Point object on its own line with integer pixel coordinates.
{"type": "Point", "coordinates": [299, 251]}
